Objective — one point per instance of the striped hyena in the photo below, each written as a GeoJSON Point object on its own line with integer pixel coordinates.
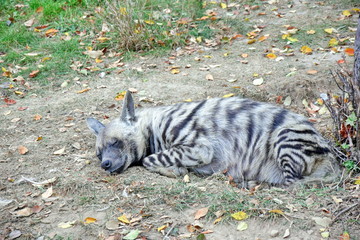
{"type": "Point", "coordinates": [249, 140]}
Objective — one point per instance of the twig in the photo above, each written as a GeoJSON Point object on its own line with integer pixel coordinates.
{"type": "Point", "coordinates": [172, 227]}
{"type": "Point", "coordinates": [344, 211]}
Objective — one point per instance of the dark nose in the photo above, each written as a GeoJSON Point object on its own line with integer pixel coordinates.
{"type": "Point", "coordinates": [106, 164]}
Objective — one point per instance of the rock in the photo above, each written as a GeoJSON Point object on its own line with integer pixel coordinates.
{"type": "Point", "coordinates": [274, 233]}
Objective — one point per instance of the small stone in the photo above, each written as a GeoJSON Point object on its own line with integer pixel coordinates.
{"type": "Point", "coordinates": [274, 233]}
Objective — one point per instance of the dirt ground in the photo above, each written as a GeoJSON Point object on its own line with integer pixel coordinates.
{"type": "Point", "coordinates": [61, 148]}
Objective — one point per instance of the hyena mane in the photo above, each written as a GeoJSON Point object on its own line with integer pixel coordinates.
{"type": "Point", "coordinates": [247, 140]}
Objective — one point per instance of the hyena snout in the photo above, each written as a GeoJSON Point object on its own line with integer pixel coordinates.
{"type": "Point", "coordinates": [106, 164]}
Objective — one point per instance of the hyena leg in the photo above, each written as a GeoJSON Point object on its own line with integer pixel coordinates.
{"type": "Point", "coordinates": [174, 162]}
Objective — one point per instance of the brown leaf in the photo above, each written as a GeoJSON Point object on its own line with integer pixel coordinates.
{"type": "Point", "coordinates": [29, 23]}
{"type": "Point", "coordinates": [22, 150]}
{"type": "Point", "coordinates": [34, 73]}
{"type": "Point", "coordinates": [51, 32]}
{"type": "Point", "coordinates": [201, 213]}
{"type": "Point", "coordinates": [84, 90]}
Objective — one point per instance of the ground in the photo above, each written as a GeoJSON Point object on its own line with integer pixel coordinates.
{"type": "Point", "coordinates": [60, 148]}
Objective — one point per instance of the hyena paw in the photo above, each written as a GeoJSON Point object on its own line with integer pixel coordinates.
{"type": "Point", "coordinates": [172, 171]}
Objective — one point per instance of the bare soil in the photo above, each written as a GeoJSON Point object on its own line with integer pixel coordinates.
{"type": "Point", "coordinates": [81, 189]}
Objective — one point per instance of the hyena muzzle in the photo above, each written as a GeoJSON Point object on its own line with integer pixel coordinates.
{"type": "Point", "coordinates": [248, 140]}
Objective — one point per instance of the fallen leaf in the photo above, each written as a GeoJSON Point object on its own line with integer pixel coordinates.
{"type": "Point", "coordinates": [25, 212]}
{"type": "Point", "coordinates": [239, 215]}
{"type": "Point", "coordinates": [29, 22]}
{"type": "Point", "coordinates": [258, 81]}
{"type": "Point", "coordinates": [312, 72]}
{"type": "Point", "coordinates": [287, 233]}
{"type": "Point", "coordinates": [345, 236]}
{"type": "Point", "coordinates": [150, 22]}
{"type": "Point", "coordinates": [186, 178]}
{"type": "Point", "coordinates": [34, 73]}
{"type": "Point", "coordinates": [324, 222]}
{"type": "Point", "coordinates": [120, 95]}
{"type": "Point", "coordinates": [22, 150]}
{"type": "Point", "coordinates": [333, 42]}
{"type": "Point", "coordinates": [94, 54]}
{"type": "Point", "coordinates": [132, 235]}
{"type": "Point", "coordinates": [228, 95]}
{"type": "Point", "coordinates": [306, 50]}
{"type": "Point", "coordinates": [175, 71]}
{"type": "Point", "coordinates": [357, 181]}
{"type": "Point", "coordinates": [209, 77]}
{"type": "Point", "coordinates": [112, 225]}
{"type": "Point", "coordinates": [124, 219]}
{"type": "Point", "coordinates": [242, 226]}
{"type": "Point", "coordinates": [217, 220]}
{"type": "Point", "coordinates": [201, 213]}
{"type": "Point", "coordinates": [9, 101]}
{"type": "Point", "coordinates": [325, 234]}
{"type": "Point", "coordinates": [163, 227]}
{"type": "Point", "coordinates": [349, 51]}
{"type": "Point", "coordinates": [278, 211]}
{"type": "Point", "coordinates": [89, 220]}
{"type": "Point", "coordinates": [271, 55]}
{"type": "Point", "coordinates": [346, 13]}
{"type": "Point", "coordinates": [51, 32]}
{"type": "Point", "coordinates": [60, 151]}
{"type": "Point", "coordinates": [311, 32]}
{"type": "Point", "coordinates": [287, 101]}
{"type": "Point", "coordinates": [37, 117]}
{"type": "Point", "coordinates": [329, 30]}
{"type": "Point", "coordinates": [66, 224]}
{"type": "Point", "coordinates": [47, 193]}
{"type": "Point", "coordinates": [14, 234]}
{"type": "Point", "coordinates": [84, 90]}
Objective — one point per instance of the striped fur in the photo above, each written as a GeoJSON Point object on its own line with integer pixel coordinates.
{"type": "Point", "coordinates": [248, 140]}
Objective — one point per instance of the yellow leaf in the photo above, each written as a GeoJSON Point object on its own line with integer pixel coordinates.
{"type": "Point", "coordinates": [239, 216]}
{"type": "Point", "coordinates": [263, 38]}
{"type": "Point", "coordinates": [124, 219]}
{"type": "Point", "coordinates": [291, 39]}
{"type": "Point", "coordinates": [251, 41]}
{"type": "Point", "coordinates": [98, 60]}
{"type": "Point", "coordinates": [66, 224]}
{"type": "Point", "coordinates": [278, 211]}
{"type": "Point", "coordinates": [123, 11]}
{"type": "Point", "coordinates": [89, 220]}
{"type": "Point", "coordinates": [242, 226]}
{"type": "Point", "coordinates": [45, 59]}
{"type": "Point", "coordinates": [356, 9]}
{"type": "Point", "coordinates": [271, 55]}
{"type": "Point", "coordinates": [223, 5]}
{"type": "Point", "coordinates": [103, 39]}
{"type": "Point", "coordinates": [4, 69]}
{"type": "Point", "coordinates": [18, 93]}
{"type": "Point", "coordinates": [150, 22]}
{"type": "Point", "coordinates": [306, 50]}
{"type": "Point", "coordinates": [346, 13]}
{"type": "Point", "coordinates": [120, 95]}
{"type": "Point", "coordinates": [175, 71]}
{"type": "Point", "coordinates": [188, 100]}
{"type": "Point", "coordinates": [333, 42]}
{"type": "Point", "coordinates": [285, 36]}
{"type": "Point", "coordinates": [207, 56]}
{"type": "Point", "coordinates": [217, 220]}
{"type": "Point", "coordinates": [163, 227]}
{"type": "Point", "coordinates": [357, 181]}
{"type": "Point", "coordinates": [199, 39]}
{"type": "Point", "coordinates": [329, 30]}
{"type": "Point", "coordinates": [228, 95]}
{"type": "Point", "coordinates": [311, 32]}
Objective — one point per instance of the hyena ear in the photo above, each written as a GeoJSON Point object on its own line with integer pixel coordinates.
{"type": "Point", "coordinates": [94, 125]}
{"type": "Point", "coordinates": [128, 109]}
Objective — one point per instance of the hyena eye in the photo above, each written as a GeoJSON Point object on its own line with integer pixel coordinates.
{"type": "Point", "coordinates": [99, 155]}
{"type": "Point", "coordinates": [117, 144]}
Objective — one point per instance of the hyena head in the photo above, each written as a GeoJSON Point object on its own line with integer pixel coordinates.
{"type": "Point", "coordinates": [117, 144]}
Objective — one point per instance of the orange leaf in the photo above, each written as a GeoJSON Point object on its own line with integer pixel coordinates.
{"type": "Point", "coordinates": [39, 9]}
{"type": "Point", "coordinates": [22, 150]}
{"type": "Point", "coordinates": [251, 41]}
{"type": "Point", "coordinates": [306, 50]}
{"type": "Point", "coordinates": [89, 220]}
{"type": "Point", "coordinates": [84, 90]}
{"type": "Point", "coordinates": [271, 55]}
{"type": "Point", "coordinates": [201, 213]}
{"type": "Point", "coordinates": [263, 38]}
{"type": "Point", "coordinates": [341, 61]}
{"type": "Point", "coordinates": [34, 73]}
{"type": "Point", "coordinates": [278, 211]}
{"type": "Point", "coordinates": [37, 117]}
{"type": "Point", "coordinates": [349, 51]}
{"type": "Point", "coordinates": [345, 236]}
{"type": "Point", "coordinates": [51, 32]}
{"type": "Point", "coordinates": [312, 72]}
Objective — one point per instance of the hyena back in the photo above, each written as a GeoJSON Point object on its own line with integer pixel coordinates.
{"type": "Point", "coordinates": [248, 140]}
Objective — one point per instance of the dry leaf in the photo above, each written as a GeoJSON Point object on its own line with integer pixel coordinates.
{"type": "Point", "coordinates": [22, 150]}
{"type": "Point", "coordinates": [258, 81]}
{"type": "Point", "coordinates": [47, 193]}
{"type": "Point", "coordinates": [201, 213]}
{"type": "Point", "coordinates": [89, 220]}
{"type": "Point", "coordinates": [29, 22]}
{"type": "Point", "coordinates": [228, 95]}
{"type": "Point", "coordinates": [94, 54]}
{"type": "Point", "coordinates": [186, 178]}
{"type": "Point", "coordinates": [271, 55]}
{"type": "Point", "coordinates": [329, 30]}
{"type": "Point", "coordinates": [124, 219]}
{"type": "Point", "coordinates": [312, 72]}
{"type": "Point", "coordinates": [306, 50]}
{"type": "Point", "coordinates": [163, 227]}
{"type": "Point", "coordinates": [34, 73]}
{"type": "Point", "coordinates": [25, 212]}
{"type": "Point", "coordinates": [324, 222]}
{"type": "Point", "coordinates": [209, 77]}
{"type": "Point", "coordinates": [51, 32]}
{"type": "Point", "coordinates": [60, 151]}
{"type": "Point", "coordinates": [349, 51]}
{"type": "Point", "coordinates": [287, 233]}
{"type": "Point", "coordinates": [278, 211]}
{"type": "Point", "coordinates": [311, 32]}
{"type": "Point", "coordinates": [37, 117]}
{"type": "Point", "coordinates": [66, 224]}
{"type": "Point", "coordinates": [242, 226]}
{"type": "Point", "coordinates": [287, 101]}
{"type": "Point", "coordinates": [175, 71]}
{"type": "Point", "coordinates": [112, 225]}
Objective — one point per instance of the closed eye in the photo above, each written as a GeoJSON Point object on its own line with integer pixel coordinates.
{"type": "Point", "coordinates": [117, 144]}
